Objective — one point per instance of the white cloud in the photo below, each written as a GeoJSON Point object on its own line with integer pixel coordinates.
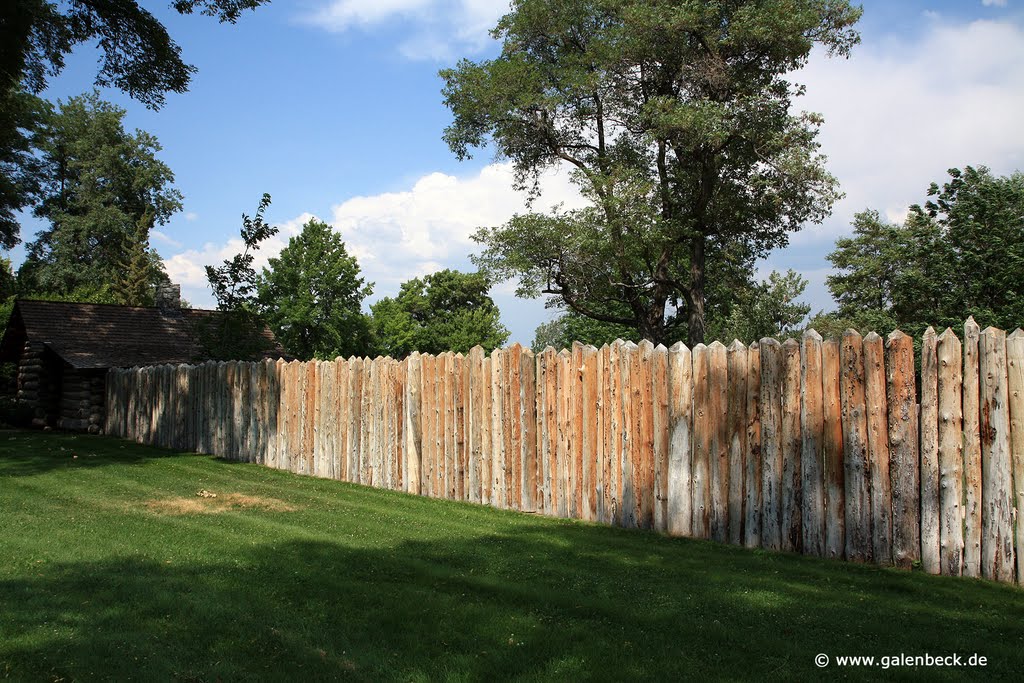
{"type": "Point", "coordinates": [340, 15]}
{"type": "Point", "coordinates": [899, 114]}
{"type": "Point", "coordinates": [397, 235]}
{"type": "Point", "coordinates": [994, 3]}
{"type": "Point", "coordinates": [191, 216]}
{"type": "Point", "coordinates": [187, 268]}
{"type": "Point", "coordinates": [436, 30]}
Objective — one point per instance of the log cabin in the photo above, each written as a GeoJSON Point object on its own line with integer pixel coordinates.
{"type": "Point", "coordinates": [62, 351]}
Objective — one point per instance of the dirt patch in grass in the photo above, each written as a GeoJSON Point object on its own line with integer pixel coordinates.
{"type": "Point", "coordinates": [206, 503]}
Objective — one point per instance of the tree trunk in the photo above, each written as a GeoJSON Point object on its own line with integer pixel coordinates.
{"type": "Point", "coordinates": [697, 291]}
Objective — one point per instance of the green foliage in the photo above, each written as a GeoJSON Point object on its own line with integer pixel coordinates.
{"type": "Point", "coordinates": [138, 56]}
{"type": "Point", "coordinates": [234, 281]}
{"type": "Point", "coordinates": [86, 294]}
{"type": "Point", "coordinates": [443, 311]}
{"type": "Point", "coordinates": [21, 115]}
{"type": "Point", "coordinates": [569, 327]}
{"type": "Point", "coordinates": [236, 334]}
{"type": "Point", "coordinates": [312, 296]}
{"type": "Point", "coordinates": [766, 309]}
{"type": "Point", "coordinates": [960, 254]}
{"type": "Point", "coordinates": [678, 123]}
{"type": "Point", "coordinates": [102, 190]}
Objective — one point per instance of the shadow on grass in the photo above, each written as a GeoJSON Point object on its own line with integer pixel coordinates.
{"type": "Point", "coordinates": [565, 603]}
{"type": "Point", "coordinates": [28, 453]}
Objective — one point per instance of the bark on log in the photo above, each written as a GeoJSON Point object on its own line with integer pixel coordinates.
{"type": "Point", "coordinates": [680, 500]}
{"type": "Point", "coordinates": [835, 503]}
{"type": "Point", "coordinates": [737, 437]}
{"type": "Point", "coordinates": [929, 454]}
{"type": "Point", "coordinates": [812, 423]}
{"type": "Point", "coordinates": [951, 469]}
{"type": "Point", "coordinates": [701, 471]}
{"type": "Point", "coordinates": [752, 493]}
{"type": "Point", "coordinates": [1015, 389]}
{"type": "Point", "coordinates": [771, 443]}
{"type": "Point", "coordinates": [972, 450]}
{"type": "Point", "coordinates": [717, 416]}
{"type": "Point", "coordinates": [878, 448]}
{"type": "Point", "coordinates": [997, 561]}
{"type": "Point", "coordinates": [792, 493]}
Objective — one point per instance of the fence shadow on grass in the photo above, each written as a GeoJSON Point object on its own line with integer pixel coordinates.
{"type": "Point", "coordinates": [28, 453]}
{"type": "Point", "coordinates": [573, 602]}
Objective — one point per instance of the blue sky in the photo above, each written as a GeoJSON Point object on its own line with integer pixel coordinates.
{"type": "Point", "coordinates": [334, 108]}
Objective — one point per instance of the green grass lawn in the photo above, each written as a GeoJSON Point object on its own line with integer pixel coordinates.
{"type": "Point", "coordinates": [111, 567]}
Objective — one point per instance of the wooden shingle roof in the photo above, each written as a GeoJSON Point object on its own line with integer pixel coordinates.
{"type": "Point", "coordinates": [107, 335]}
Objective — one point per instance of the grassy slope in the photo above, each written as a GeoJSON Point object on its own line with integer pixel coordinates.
{"type": "Point", "coordinates": [370, 584]}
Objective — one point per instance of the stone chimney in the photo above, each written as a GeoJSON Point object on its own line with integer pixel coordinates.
{"type": "Point", "coordinates": [168, 297]}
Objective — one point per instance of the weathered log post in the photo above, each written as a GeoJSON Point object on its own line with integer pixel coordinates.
{"type": "Point", "coordinates": [752, 479]}
{"type": "Point", "coordinates": [1015, 387]}
{"type": "Point", "coordinates": [736, 421]}
{"type": "Point", "coordinates": [878, 448]}
{"type": "Point", "coordinates": [812, 424]}
{"type": "Point", "coordinates": [680, 497]}
{"type": "Point", "coordinates": [771, 443]}
{"type": "Point", "coordinates": [717, 417]}
{"type": "Point", "coordinates": [701, 470]}
{"type": "Point", "coordinates": [996, 477]}
{"type": "Point", "coordinates": [972, 450]}
{"type": "Point", "coordinates": [904, 472]}
{"type": "Point", "coordinates": [855, 449]}
{"type": "Point", "coordinates": [951, 464]}
{"type": "Point", "coordinates": [792, 493]}
{"type": "Point", "coordinates": [929, 454]}
{"type": "Point", "coordinates": [835, 503]}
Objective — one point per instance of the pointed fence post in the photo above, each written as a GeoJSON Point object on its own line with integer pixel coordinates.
{"type": "Point", "coordinates": [588, 471]}
{"type": "Point", "coordinates": [737, 437]}
{"type": "Point", "coordinates": [835, 497]}
{"type": "Point", "coordinates": [771, 443]}
{"type": "Point", "coordinates": [996, 469]}
{"type": "Point", "coordinates": [878, 448]}
{"type": "Point", "coordinates": [792, 493]}
{"type": "Point", "coordinates": [904, 472]}
{"type": "Point", "coordinates": [951, 464]}
{"type": "Point", "coordinates": [812, 423]}
{"type": "Point", "coordinates": [1015, 388]}
{"type": "Point", "coordinates": [660, 426]}
{"type": "Point", "coordinates": [718, 384]}
{"type": "Point", "coordinates": [752, 478]}
{"type": "Point", "coordinates": [855, 449]}
{"type": "Point", "coordinates": [701, 470]}
{"type": "Point", "coordinates": [929, 454]}
{"type": "Point", "coordinates": [680, 497]}
{"type": "Point", "coordinates": [972, 450]}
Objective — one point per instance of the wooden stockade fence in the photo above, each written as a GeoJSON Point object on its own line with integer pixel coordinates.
{"type": "Point", "coordinates": [821, 447]}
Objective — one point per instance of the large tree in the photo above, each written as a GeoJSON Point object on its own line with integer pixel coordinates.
{"type": "Point", "coordinates": [312, 296]}
{"type": "Point", "coordinates": [138, 56]}
{"type": "Point", "coordinates": [102, 190]}
{"type": "Point", "coordinates": [960, 254]}
{"type": "Point", "coordinates": [21, 115]}
{"type": "Point", "coordinates": [677, 120]}
{"type": "Point", "coordinates": [443, 311]}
